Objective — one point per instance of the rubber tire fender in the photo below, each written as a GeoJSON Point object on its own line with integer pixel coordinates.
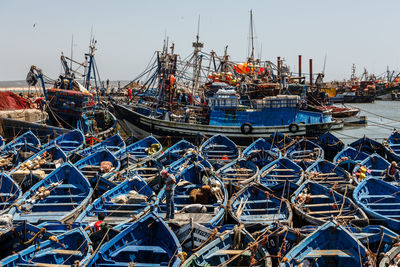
{"type": "Point", "coordinates": [248, 126]}
{"type": "Point", "coordinates": [293, 128]}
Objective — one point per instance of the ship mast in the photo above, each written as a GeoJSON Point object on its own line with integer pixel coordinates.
{"type": "Point", "coordinates": [251, 58]}
{"type": "Point", "coordinates": [197, 60]}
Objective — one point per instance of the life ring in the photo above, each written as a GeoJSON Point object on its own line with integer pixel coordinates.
{"type": "Point", "coordinates": [293, 128]}
{"type": "Point", "coordinates": [246, 128]}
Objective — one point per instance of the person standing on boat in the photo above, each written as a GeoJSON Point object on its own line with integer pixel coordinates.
{"type": "Point", "coordinates": [129, 94]}
{"type": "Point", "coordinates": [391, 171]}
{"type": "Point", "coordinates": [169, 193]}
{"type": "Point", "coordinates": [96, 226]}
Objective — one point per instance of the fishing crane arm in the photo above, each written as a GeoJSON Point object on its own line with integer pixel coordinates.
{"type": "Point", "coordinates": [33, 76]}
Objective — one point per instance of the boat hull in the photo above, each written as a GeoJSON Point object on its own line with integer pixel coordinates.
{"type": "Point", "coordinates": [162, 128]}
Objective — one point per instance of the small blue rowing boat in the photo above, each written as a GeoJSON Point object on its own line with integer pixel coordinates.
{"type": "Point", "coordinates": [19, 237]}
{"type": "Point", "coordinates": [27, 138]}
{"type": "Point", "coordinates": [349, 157]}
{"type": "Point", "coordinates": [228, 251]}
{"type": "Point", "coordinates": [392, 146]}
{"type": "Point", "coordinates": [329, 245]}
{"type": "Point", "coordinates": [261, 153]}
{"type": "Point", "coordinates": [369, 146]}
{"type": "Point", "coordinates": [91, 166]}
{"type": "Point", "coordinates": [139, 151]}
{"type": "Point", "coordinates": [175, 152]}
{"type": "Point", "coordinates": [304, 152]}
{"type": "Point", "coordinates": [125, 202]}
{"type": "Point", "coordinates": [255, 207]}
{"type": "Point", "coordinates": [279, 171]}
{"type": "Point", "coordinates": [2, 142]}
{"type": "Point", "coordinates": [58, 197]}
{"type": "Point", "coordinates": [67, 249]}
{"type": "Point", "coordinates": [330, 175]}
{"type": "Point", "coordinates": [238, 173]}
{"type": "Point", "coordinates": [317, 204]}
{"type": "Point", "coordinates": [280, 140]}
{"type": "Point", "coordinates": [58, 228]}
{"type": "Point", "coordinates": [330, 144]}
{"type": "Point", "coordinates": [187, 160]}
{"type": "Point", "coordinates": [219, 150]}
{"type": "Point", "coordinates": [113, 144]}
{"type": "Point", "coordinates": [376, 167]}
{"type": "Point", "coordinates": [198, 195]}
{"type": "Point", "coordinates": [10, 192]}
{"type": "Point", "coordinates": [380, 200]}
{"type": "Point", "coordinates": [38, 166]}
{"type": "Point", "coordinates": [147, 242]}
{"type": "Point", "coordinates": [68, 142]}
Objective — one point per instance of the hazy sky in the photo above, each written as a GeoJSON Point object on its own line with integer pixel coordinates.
{"type": "Point", "coordinates": [363, 32]}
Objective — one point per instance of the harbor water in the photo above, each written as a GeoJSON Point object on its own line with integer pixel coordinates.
{"type": "Point", "coordinates": [382, 116]}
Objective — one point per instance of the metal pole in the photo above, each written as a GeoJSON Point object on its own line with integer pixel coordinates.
{"type": "Point", "coordinates": [311, 78]}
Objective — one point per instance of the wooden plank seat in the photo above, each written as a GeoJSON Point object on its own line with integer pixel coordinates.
{"type": "Point", "coordinates": [230, 252]}
{"type": "Point", "coordinates": [328, 212]}
{"type": "Point", "coordinates": [329, 253]}
{"type": "Point", "coordinates": [67, 252]}
{"type": "Point", "coordinates": [138, 249]}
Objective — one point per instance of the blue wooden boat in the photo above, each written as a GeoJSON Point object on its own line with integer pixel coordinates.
{"type": "Point", "coordinates": [226, 251]}
{"type": "Point", "coordinates": [284, 189]}
{"type": "Point", "coordinates": [349, 157]}
{"type": "Point", "coordinates": [19, 237]}
{"type": "Point", "coordinates": [58, 197]}
{"type": "Point", "coordinates": [376, 238]}
{"type": "Point", "coordinates": [58, 228]}
{"type": "Point", "coordinates": [12, 158]}
{"type": "Point", "coordinates": [329, 245]}
{"type": "Point", "coordinates": [330, 175]}
{"type": "Point", "coordinates": [317, 204]}
{"type": "Point", "coordinates": [330, 144]}
{"type": "Point", "coordinates": [187, 160]}
{"type": "Point", "coordinates": [305, 152]}
{"type": "Point", "coordinates": [38, 166]}
{"type": "Point", "coordinates": [380, 200]}
{"type": "Point", "coordinates": [392, 146]}
{"type": "Point", "coordinates": [375, 167]}
{"type": "Point", "coordinates": [255, 207]}
{"type": "Point", "coordinates": [90, 166]}
{"type": "Point", "coordinates": [195, 178]}
{"type": "Point", "coordinates": [261, 153]}
{"type": "Point", "coordinates": [280, 171]}
{"type": "Point", "coordinates": [369, 146]}
{"type": "Point", "coordinates": [127, 201]}
{"type": "Point", "coordinates": [147, 242]}
{"type": "Point", "coordinates": [219, 150]}
{"type": "Point", "coordinates": [175, 152]}
{"type": "Point", "coordinates": [113, 144]}
{"type": "Point", "coordinates": [2, 142]}
{"type": "Point", "coordinates": [27, 138]}
{"type": "Point", "coordinates": [280, 140]}
{"type": "Point", "coordinates": [238, 173]}
{"type": "Point", "coordinates": [10, 192]}
{"type": "Point", "coordinates": [68, 142]}
{"type": "Point", "coordinates": [139, 151]}
{"type": "Point", "coordinates": [63, 250]}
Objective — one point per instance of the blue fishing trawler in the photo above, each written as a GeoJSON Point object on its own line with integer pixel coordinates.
{"type": "Point", "coordinates": [68, 103]}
